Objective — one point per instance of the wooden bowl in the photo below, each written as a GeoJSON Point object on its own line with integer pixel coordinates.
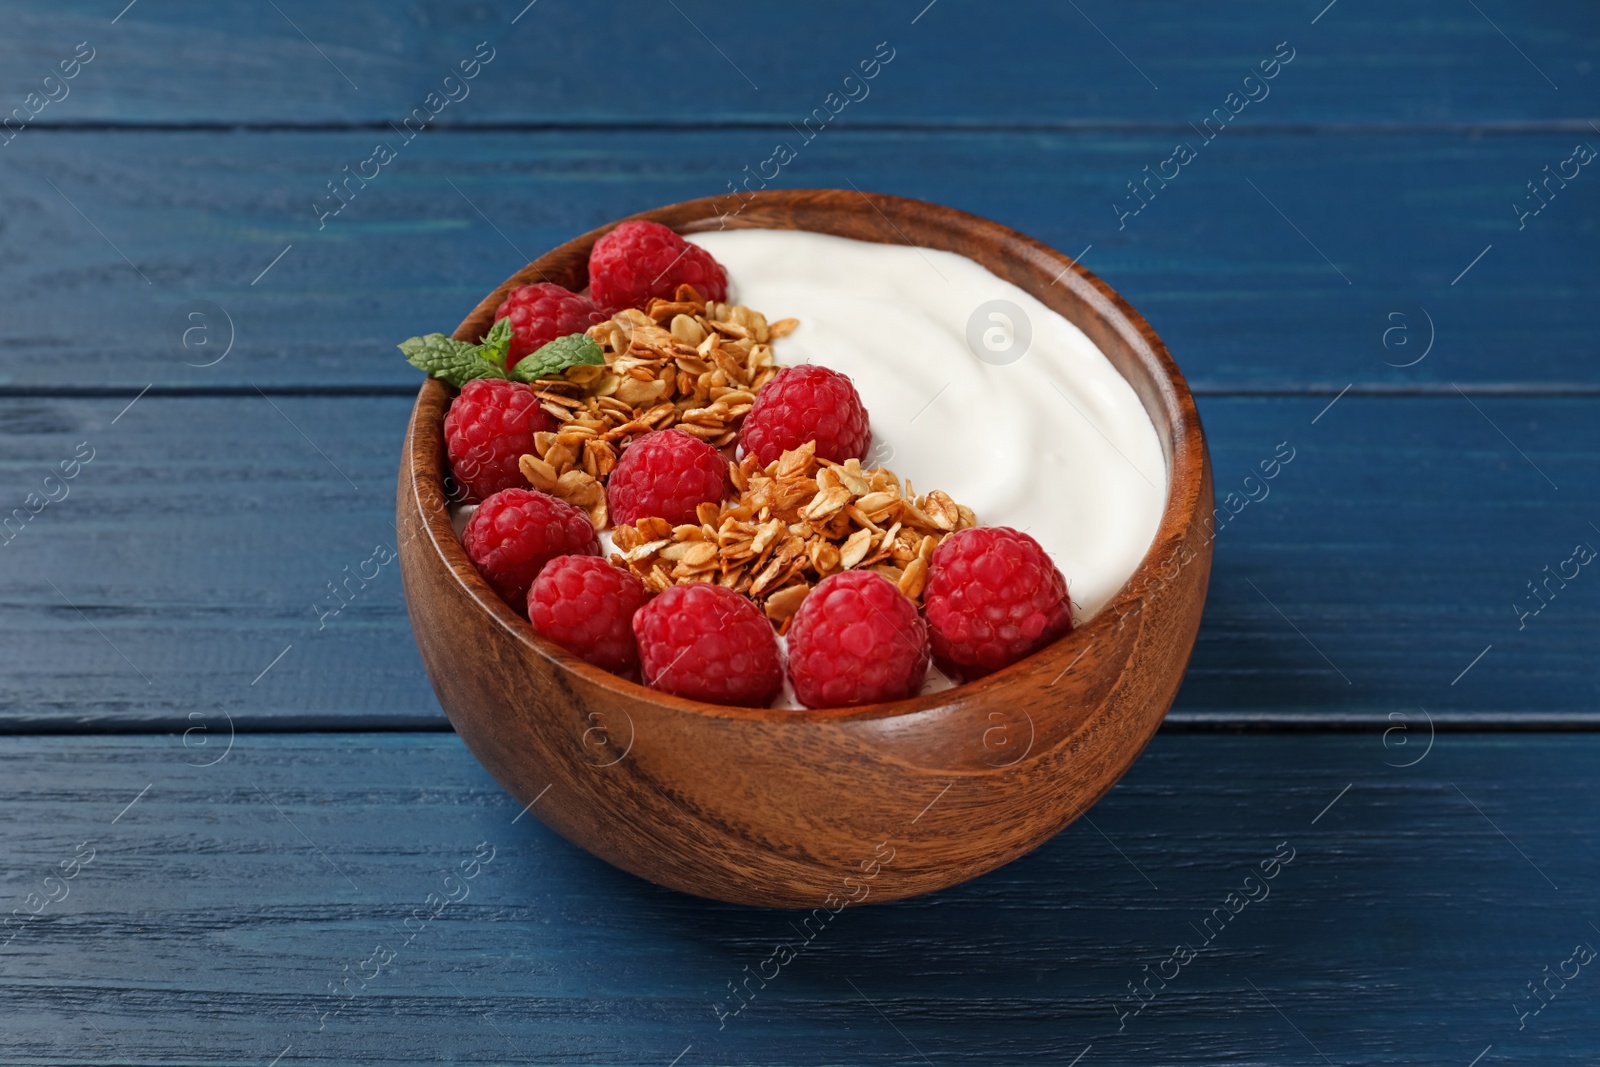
{"type": "Point", "coordinates": [820, 809]}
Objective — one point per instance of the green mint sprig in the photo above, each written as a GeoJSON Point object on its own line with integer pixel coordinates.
{"type": "Point", "coordinates": [459, 362]}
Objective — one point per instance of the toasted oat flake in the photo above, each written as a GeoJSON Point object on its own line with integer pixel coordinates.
{"type": "Point", "coordinates": [784, 603]}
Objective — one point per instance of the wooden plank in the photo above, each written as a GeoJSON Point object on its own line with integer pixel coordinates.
{"type": "Point", "coordinates": [1227, 262]}
{"type": "Point", "coordinates": [1408, 535]}
{"type": "Point", "coordinates": [223, 902]}
{"type": "Point", "coordinates": [201, 540]}
{"type": "Point", "coordinates": [955, 62]}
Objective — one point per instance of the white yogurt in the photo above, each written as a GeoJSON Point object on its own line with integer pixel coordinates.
{"type": "Point", "coordinates": [1054, 443]}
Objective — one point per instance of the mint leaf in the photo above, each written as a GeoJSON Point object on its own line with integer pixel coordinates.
{"type": "Point", "coordinates": [497, 342]}
{"type": "Point", "coordinates": [456, 362]}
{"type": "Point", "coordinates": [573, 350]}
{"type": "Point", "coordinates": [459, 362]}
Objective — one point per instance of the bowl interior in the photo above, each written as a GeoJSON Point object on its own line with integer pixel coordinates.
{"type": "Point", "coordinates": [1055, 280]}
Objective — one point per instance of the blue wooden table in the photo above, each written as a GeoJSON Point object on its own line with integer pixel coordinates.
{"type": "Point", "coordinates": [236, 828]}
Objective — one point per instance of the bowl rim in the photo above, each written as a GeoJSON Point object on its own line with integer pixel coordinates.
{"type": "Point", "coordinates": [1183, 447]}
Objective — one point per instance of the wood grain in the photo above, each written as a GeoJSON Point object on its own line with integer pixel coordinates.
{"type": "Point", "coordinates": [758, 806]}
{"type": "Point", "coordinates": [1165, 62]}
{"type": "Point", "coordinates": [1242, 299]}
{"type": "Point", "coordinates": [1416, 505]}
{"type": "Point", "coordinates": [211, 922]}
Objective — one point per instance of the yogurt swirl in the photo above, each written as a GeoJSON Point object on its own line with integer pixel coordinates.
{"type": "Point", "coordinates": [973, 387]}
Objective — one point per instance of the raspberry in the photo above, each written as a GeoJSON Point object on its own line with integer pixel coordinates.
{"type": "Point", "coordinates": [856, 640]}
{"type": "Point", "coordinates": [639, 260]}
{"type": "Point", "coordinates": [807, 403]}
{"type": "Point", "coordinates": [516, 532]}
{"type": "Point", "coordinates": [586, 606]}
{"type": "Point", "coordinates": [540, 313]}
{"type": "Point", "coordinates": [488, 427]}
{"type": "Point", "coordinates": [992, 597]}
{"type": "Point", "coordinates": [666, 474]}
{"type": "Point", "coordinates": [705, 642]}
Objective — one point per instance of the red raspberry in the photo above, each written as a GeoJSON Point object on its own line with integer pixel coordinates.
{"type": "Point", "coordinates": [992, 597]}
{"type": "Point", "coordinates": [856, 640]}
{"type": "Point", "coordinates": [639, 260]}
{"type": "Point", "coordinates": [705, 642]}
{"type": "Point", "coordinates": [516, 532]}
{"type": "Point", "coordinates": [807, 403]}
{"type": "Point", "coordinates": [542, 312]}
{"type": "Point", "coordinates": [586, 606]}
{"type": "Point", "coordinates": [489, 426]}
{"type": "Point", "coordinates": [665, 474]}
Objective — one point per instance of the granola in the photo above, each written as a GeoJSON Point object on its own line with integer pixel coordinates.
{"type": "Point", "coordinates": [682, 363]}
{"type": "Point", "coordinates": [794, 522]}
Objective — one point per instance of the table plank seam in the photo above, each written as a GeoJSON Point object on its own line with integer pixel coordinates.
{"type": "Point", "coordinates": [1492, 127]}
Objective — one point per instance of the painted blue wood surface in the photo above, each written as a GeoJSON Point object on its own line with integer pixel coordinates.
{"type": "Point", "coordinates": [957, 62]}
{"type": "Point", "coordinates": [1227, 262]}
{"type": "Point", "coordinates": [207, 536]}
{"type": "Point", "coordinates": [220, 906]}
{"type": "Point", "coordinates": [1358, 216]}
